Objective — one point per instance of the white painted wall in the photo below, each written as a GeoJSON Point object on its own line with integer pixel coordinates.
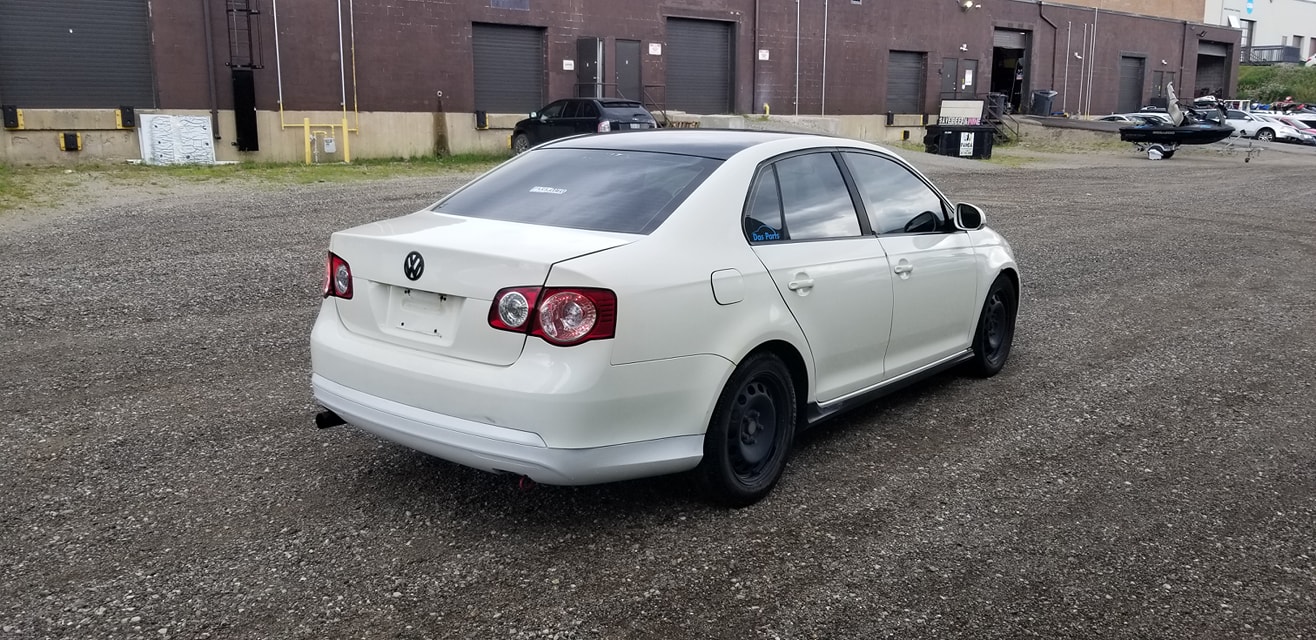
{"type": "Point", "coordinates": [1278, 21]}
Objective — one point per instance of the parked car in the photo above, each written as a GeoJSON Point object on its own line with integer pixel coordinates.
{"type": "Point", "coordinates": [635, 304]}
{"type": "Point", "coordinates": [574, 116]}
{"type": "Point", "coordinates": [1292, 130]}
{"type": "Point", "coordinates": [1255, 125]}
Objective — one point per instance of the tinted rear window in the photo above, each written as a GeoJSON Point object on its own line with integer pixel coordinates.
{"type": "Point", "coordinates": [596, 189]}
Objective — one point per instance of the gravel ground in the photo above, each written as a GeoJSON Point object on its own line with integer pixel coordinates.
{"type": "Point", "coordinates": [1143, 468]}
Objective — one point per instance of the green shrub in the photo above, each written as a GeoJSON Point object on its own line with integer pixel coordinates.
{"type": "Point", "coordinates": [1272, 83]}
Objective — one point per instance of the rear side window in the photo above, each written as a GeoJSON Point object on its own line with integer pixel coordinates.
{"type": "Point", "coordinates": [763, 221]}
{"type": "Point", "coordinates": [815, 202]}
{"type": "Point", "coordinates": [596, 189]}
{"type": "Point", "coordinates": [587, 110]}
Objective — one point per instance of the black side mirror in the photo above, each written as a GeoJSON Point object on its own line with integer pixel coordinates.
{"type": "Point", "coordinates": [969, 217]}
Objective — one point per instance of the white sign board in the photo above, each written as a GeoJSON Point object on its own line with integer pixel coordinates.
{"type": "Point", "coordinates": [655, 49]}
{"type": "Point", "coordinates": [763, 54]}
{"type": "Point", "coordinates": [960, 112]}
{"type": "Point", "coordinates": [966, 143]}
{"type": "Point", "coordinates": [176, 139]}
{"type": "Point", "coordinates": [568, 65]}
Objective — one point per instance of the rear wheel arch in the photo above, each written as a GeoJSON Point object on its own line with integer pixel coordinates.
{"type": "Point", "coordinates": [794, 361]}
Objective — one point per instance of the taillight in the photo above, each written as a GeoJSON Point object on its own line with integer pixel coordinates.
{"type": "Point", "coordinates": [605, 126]}
{"type": "Point", "coordinates": [512, 309]}
{"type": "Point", "coordinates": [561, 316]}
{"type": "Point", "coordinates": [337, 278]}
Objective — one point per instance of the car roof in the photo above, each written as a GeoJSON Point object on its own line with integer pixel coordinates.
{"type": "Point", "coordinates": [719, 144]}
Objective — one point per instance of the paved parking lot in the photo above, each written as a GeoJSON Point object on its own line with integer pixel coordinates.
{"type": "Point", "coordinates": [1144, 468]}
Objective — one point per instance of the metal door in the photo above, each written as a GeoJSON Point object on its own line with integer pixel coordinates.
{"type": "Point", "coordinates": [1210, 75]}
{"type": "Point", "coordinates": [968, 81]}
{"type": "Point", "coordinates": [509, 68]}
{"type": "Point", "coordinates": [950, 78]}
{"type": "Point", "coordinates": [626, 69]}
{"type": "Point", "coordinates": [589, 71]}
{"type": "Point", "coordinates": [699, 72]}
{"type": "Point", "coordinates": [76, 54]}
{"type": "Point", "coordinates": [905, 81]}
{"type": "Point", "coordinates": [1132, 75]}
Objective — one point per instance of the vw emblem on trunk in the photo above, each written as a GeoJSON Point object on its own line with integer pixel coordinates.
{"type": "Point", "coordinates": [413, 265]}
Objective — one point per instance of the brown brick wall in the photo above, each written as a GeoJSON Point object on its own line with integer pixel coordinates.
{"type": "Point", "coordinates": [409, 49]}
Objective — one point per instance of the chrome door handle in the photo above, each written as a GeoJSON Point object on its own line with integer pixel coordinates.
{"type": "Point", "coordinates": [796, 285]}
{"type": "Point", "coordinates": [903, 268]}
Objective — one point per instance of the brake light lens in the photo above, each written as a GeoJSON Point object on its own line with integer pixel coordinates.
{"type": "Point", "coordinates": [337, 278]}
{"type": "Point", "coordinates": [605, 126]}
{"type": "Point", "coordinates": [561, 316]}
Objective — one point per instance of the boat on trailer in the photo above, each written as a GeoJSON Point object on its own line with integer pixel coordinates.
{"type": "Point", "coordinates": [1187, 127]}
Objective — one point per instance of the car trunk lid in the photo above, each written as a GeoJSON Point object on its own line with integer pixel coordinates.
{"type": "Point", "coordinates": [426, 281]}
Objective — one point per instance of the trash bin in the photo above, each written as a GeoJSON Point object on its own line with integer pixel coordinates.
{"type": "Point", "coordinates": [1042, 102]}
{"type": "Point", "coordinates": [995, 105]}
{"type": "Point", "coordinates": [964, 141]}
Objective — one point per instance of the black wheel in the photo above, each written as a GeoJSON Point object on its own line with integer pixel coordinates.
{"type": "Point", "coordinates": [520, 142]}
{"type": "Point", "coordinates": [1266, 134]}
{"type": "Point", "coordinates": [750, 435]}
{"type": "Point", "coordinates": [995, 334]}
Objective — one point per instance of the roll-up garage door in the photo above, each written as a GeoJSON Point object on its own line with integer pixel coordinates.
{"type": "Point", "coordinates": [76, 54]}
{"type": "Point", "coordinates": [1132, 77]}
{"type": "Point", "coordinates": [699, 77]}
{"type": "Point", "coordinates": [1010, 39]}
{"type": "Point", "coordinates": [1210, 75]}
{"type": "Point", "coordinates": [509, 68]}
{"type": "Point", "coordinates": [906, 76]}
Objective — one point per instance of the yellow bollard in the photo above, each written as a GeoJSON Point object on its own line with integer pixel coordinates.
{"type": "Point", "coordinates": [347, 146]}
{"type": "Point", "coordinates": [306, 128]}
{"type": "Point", "coordinates": [766, 110]}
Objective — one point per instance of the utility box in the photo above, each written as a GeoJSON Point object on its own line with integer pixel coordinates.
{"type": "Point", "coordinates": [960, 140]}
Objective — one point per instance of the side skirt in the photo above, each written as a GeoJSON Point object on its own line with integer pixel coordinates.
{"type": "Point", "coordinates": [818, 412]}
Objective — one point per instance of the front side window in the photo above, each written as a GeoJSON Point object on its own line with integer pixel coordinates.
{"type": "Point", "coordinates": [815, 202]}
{"type": "Point", "coordinates": [897, 200]}
{"type": "Point", "coordinates": [596, 189]}
{"type": "Point", "coordinates": [554, 110]}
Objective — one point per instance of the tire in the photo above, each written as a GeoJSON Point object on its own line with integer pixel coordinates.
{"type": "Point", "coordinates": [520, 143]}
{"type": "Point", "coordinates": [995, 333]}
{"type": "Point", "coordinates": [1265, 134]}
{"type": "Point", "coordinates": [750, 435]}
{"type": "Point", "coordinates": [1166, 155]}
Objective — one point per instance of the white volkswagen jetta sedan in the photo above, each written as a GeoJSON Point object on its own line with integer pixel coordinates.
{"type": "Point", "coordinates": [635, 304]}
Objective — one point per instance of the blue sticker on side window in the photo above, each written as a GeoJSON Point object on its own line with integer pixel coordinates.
{"type": "Point", "coordinates": [764, 234]}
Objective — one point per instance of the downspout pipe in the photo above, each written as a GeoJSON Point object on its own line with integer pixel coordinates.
{"type": "Point", "coordinates": [342, 64]}
{"type": "Point", "coordinates": [823, 109]}
{"type": "Point", "coordinates": [1092, 64]}
{"type": "Point", "coordinates": [1055, 41]}
{"type": "Point", "coordinates": [797, 57]}
{"type": "Point", "coordinates": [754, 89]}
{"type": "Point", "coordinates": [278, 61]}
{"type": "Point", "coordinates": [210, 69]}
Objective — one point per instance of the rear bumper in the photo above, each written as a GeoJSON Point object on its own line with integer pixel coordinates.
{"type": "Point", "coordinates": [503, 450]}
{"type": "Point", "coordinates": [558, 415]}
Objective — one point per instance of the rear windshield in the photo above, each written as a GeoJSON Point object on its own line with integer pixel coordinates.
{"type": "Point", "coordinates": [596, 189]}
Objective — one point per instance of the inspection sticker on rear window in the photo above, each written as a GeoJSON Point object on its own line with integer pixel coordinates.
{"type": "Point", "coordinates": [551, 190]}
